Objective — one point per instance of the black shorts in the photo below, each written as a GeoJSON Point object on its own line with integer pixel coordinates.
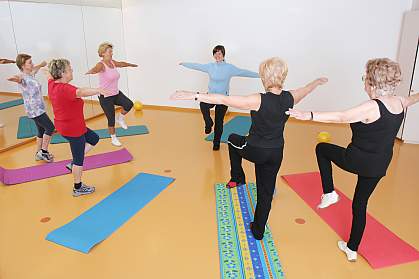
{"type": "Point", "coordinates": [77, 145]}
{"type": "Point", "coordinates": [108, 105]}
{"type": "Point", "coordinates": [44, 125]}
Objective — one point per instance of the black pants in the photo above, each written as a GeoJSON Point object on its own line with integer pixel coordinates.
{"type": "Point", "coordinates": [267, 163]}
{"type": "Point", "coordinates": [44, 125]}
{"type": "Point", "coordinates": [108, 105]}
{"type": "Point", "coordinates": [220, 112]}
{"type": "Point", "coordinates": [327, 153]}
{"type": "Point", "coordinates": [77, 145]}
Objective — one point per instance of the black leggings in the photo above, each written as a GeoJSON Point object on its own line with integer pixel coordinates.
{"type": "Point", "coordinates": [44, 125]}
{"type": "Point", "coordinates": [267, 163]}
{"type": "Point", "coordinates": [327, 153]}
{"type": "Point", "coordinates": [220, 112]}
{"type": "Point", "coordinates": [108, 105]}
{"type": "Point", "coordinates": [78, 144]}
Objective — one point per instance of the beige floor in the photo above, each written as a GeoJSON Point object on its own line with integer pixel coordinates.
{"type": "Point", "coordinates": [175, 236]}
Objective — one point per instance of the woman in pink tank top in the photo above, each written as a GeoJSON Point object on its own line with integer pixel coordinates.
{"type": "Point", "coordinates": [108, 79]}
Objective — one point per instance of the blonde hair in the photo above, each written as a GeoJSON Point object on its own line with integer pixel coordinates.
{"type": "Point", "coordinates": [103, 47]}
{"type": "Point", "coordinates": [384, 75]}
{"type": "Point", "coordinates": [57, 67]}
{"type": "Point", "coordinates": [273, 72]}
{"type": "Point", "coordinates": [21, 60]}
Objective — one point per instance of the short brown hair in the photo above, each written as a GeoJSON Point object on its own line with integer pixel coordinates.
{"type": "Point", "coordinates": [21, 59]}
{"type": "Point", "coordinates": [103, 47]}
{"type": "Point", "coordinates": [219, 48]}
{"type": "Point", "coordinates": [383, 74]}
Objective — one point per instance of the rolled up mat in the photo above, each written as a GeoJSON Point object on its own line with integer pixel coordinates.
{"type": "Point", "coordinates": [379, 246]}
{"type": "Point", "coordinates": [26, 128]}
{"type": "Point", "coordinates": [10, 104]}
{"type": "Point", "coordinates": [100, 221]}
{"type": "Point", "coordinates": [241, 255]}
{"type": "Point", "coordinates": [103, 133]}
{"type": "Point", "coordinates": [46, 170]}
{"type": "Point", "coordinates": [238, 125]}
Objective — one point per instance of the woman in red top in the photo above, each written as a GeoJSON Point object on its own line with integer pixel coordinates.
{"type": "Point", "coordinates": [67, 104]}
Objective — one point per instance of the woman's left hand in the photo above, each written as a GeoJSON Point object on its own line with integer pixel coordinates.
{"type": "Point", "coordinates": [183, 95]}
{"type": "Point", "coordinates": [297, 114]}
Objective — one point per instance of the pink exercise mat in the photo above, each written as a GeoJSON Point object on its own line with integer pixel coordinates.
{"type": "Point", "coordinates": [379, 246]}
{"type": "Point", "coordinates": [46, 170]}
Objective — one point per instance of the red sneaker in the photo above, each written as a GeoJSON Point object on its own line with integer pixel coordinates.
{"type": "Point", "coordinates": [232, 184]}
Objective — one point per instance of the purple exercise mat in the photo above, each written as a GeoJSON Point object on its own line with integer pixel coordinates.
{"type": "Point", "coordinates": [16, 176]}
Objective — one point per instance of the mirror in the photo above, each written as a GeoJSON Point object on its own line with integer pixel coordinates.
{"type": "Point", "coordinates": [82, 28]}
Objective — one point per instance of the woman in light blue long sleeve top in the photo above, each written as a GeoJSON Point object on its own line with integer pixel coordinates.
{"type": "Point", "coordinates": [220, 74]}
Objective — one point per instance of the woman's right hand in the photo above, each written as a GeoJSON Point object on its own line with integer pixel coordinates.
{"type": "Point", "coordinates": [322, 80]}
{"type": "Point", "coordinates": [15, 78]}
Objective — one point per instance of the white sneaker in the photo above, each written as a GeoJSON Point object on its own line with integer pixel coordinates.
{"type": "Point", "coordinates": [328, 199]}
{"type": "Point", "coordinates": [351, 255]}
{"type": "Point", "coordinates": [121, 121]}
{"type": "Point", "coordinates": [116, 142]}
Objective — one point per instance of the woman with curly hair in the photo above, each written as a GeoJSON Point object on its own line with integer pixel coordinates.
{"type": "Point", "coordinates": [374, 126]}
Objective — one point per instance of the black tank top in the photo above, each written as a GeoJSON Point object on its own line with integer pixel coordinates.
{"type": "Point", "coordinates": [268, 122]}
{"type": "Point", "coordinates": [371, 149]}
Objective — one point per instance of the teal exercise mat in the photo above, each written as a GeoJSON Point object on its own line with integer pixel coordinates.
{"type": "Point", "coordinates": [26, 128]}
{"type": "Point", "coordinates": [100, 221]}
{"type": "Point", "coordinates": [10, 104]}
{"type": "Point", "coordinates": [103, 133]}
{"type": "Point", "coordinates": [238, 125]}
{"type": "Point", "coordinates": [241, 255]}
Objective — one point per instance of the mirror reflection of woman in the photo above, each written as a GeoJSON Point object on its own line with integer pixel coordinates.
{"type": "Point", "coordinates": [109, 76]}
{"type": "Point", "coordinates": [33, 101]}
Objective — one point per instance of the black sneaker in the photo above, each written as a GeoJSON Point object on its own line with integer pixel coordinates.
{"type": "Point", "coordinates": [208, 129]}
{"type": "Point", "coordinates": [216, 146]}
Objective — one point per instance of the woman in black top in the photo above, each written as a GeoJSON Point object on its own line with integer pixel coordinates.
{"type": "Point", "coordinates": [265, 142]}
{"type": "Point", "coordinates": [374, 126]}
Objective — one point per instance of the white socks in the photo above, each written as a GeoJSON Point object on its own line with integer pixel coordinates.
{"type": "Point", "coordinates": [115, 140]}
{"type": "Point", "coordinates": [328, 199]}
{"type": "Point", "coordinates": [350, 255]}
{"type": "Point", "coordinates": [121, 121]}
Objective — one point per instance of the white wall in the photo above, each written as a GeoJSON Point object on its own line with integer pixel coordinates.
{"type": "Point", "coordinates": [316, 38]}
{"type": "Point", "coordinates": [47, 31]}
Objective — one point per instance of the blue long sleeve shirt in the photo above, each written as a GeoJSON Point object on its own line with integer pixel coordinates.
{"type": "Point", "coordinates": [220, 74]}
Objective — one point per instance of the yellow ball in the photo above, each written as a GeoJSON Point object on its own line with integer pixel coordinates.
{"type": "Point", "coordinates": [323, 137]}
{"type": "Point", "coordinates": [138, 105]}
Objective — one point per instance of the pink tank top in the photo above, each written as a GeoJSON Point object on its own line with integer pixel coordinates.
{"type": "Point", "coordinates": [108, 79]}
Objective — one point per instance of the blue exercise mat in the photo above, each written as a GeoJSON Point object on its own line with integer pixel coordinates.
{"type": "Point", "coordinates": [238, 125]}
{"type": "Point", "coordinates": [10, 104]}
{"type": "Point", "coordinates": [100, 221]}
{"type": "Point", "coordinates": [26, 128]}
{"type": "Point", "coordinates": [103, 133]}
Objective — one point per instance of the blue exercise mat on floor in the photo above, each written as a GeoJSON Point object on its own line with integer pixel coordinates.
{"type": "Point", "coordinates": [10, 104]}
{"type": "Point", "coordinates": [26, 128]}
{"type": "Point", "coordinates": [238, 125]}
{"type": "Point", "coordinates": [100, 221]}
{"type": "Point", "coordinates": [103, 133]}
